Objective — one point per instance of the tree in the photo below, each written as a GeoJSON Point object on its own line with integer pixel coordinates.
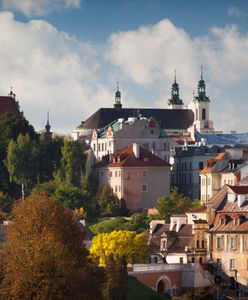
{"type": "Point", "coordinates": [108, 202]}
{"type": "Point", "coordinates": [10, 128]}
{"type": "Point", "coordinates": [117, 279]}
{"type": "Point", "coordinates": [175, 203]}
{"type": "Point", "coordinates": [69, 196]}
{"type": "Point", "coordinates": [21, 160]}
{"type": "Point", "coordinates": [118, 243]}
{"type": "Point", "coordinates": [72, 163]}
{"type": "Point", "coordinates": [45, 255]}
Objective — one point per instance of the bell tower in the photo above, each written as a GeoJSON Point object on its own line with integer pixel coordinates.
{"type": "Point", "coordinates": [117, 104]}
{"type": "Point", "coordinates": [200, 108]}
{"type": "Point", "coordinates": [175, 102]}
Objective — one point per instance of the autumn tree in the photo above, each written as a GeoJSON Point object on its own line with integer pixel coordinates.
{"type": "Point", "coordinates": [118, 243]}
{"type": "Point", "coordinates": [72, 163]}
{"type": "Point", "coordinates": [45, 255]}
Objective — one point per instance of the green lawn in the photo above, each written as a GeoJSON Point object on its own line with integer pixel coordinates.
{"type": "Point", "coordinates": [138, 291]}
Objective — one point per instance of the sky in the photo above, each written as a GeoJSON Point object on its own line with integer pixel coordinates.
{"type": "Point", "coordinates": [66, 56]}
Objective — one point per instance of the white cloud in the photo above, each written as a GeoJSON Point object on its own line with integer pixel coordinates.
{"type": "Point", "coordinates": [38, 7]}
{"type": "Point", "coordinates": [49, 70]}
{"type": "Point", "coordinates": [149, 55]}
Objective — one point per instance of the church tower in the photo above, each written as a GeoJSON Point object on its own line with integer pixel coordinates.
{"type": "Point", "coordinates": [200, 108]}
{"type": "Point", "coordinates": [175, 102]}
{"type": "Point", "coordinates": [117, 104]}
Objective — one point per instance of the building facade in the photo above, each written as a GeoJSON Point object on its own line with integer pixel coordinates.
{"type": "Point", "coordinates": [136, 175]}
{"type": "Point", "coordinates": [228, 235]}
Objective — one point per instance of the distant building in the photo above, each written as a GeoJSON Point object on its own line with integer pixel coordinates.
{"type": "Point", "coordinates": [184, 240]}
{"type": "Point", "coordinates": [228, 235]}
{"type": "Point", "coordinates": [187, 162]}
{"type": "Point", "coordinates": [200, 108]}
{"type": "Point", "coordinates": [136, 175]}
{"type": "Point", "coordinates": [9, 104]}
{"type": "Point", "coordinates": [220, 171]}
{"type": "Point", "coordinates": [122, 133]}
{"type": "Point", "coordinates": [175, 121]}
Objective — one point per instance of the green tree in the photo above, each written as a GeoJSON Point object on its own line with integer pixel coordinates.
{"type": "Point", "coordinates": [10, 127]}
{"type": "Point", "coordinates": [69, 196]}
{"type": "Point", "coordinates": [117, 279]}
{"type": "Point", "coordinates": [108, 202]}
{"type": "Point", "coordinates": [72, 163]}
{"type": "Point", "coordinates": [21, 160]}
{"type": "Point", "coordinates": [175, 203]}
{"type": "Point", "coordinates": [45, 255]}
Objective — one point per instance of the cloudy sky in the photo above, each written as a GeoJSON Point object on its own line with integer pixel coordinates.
{"type": "Point", "coordinates": [66, 56]}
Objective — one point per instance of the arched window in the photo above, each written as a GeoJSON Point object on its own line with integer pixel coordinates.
{"type": "Point", "coordinates": [200, 260]}
{"type": "Point", "coordinates": [196, 113]}
{"type": "Point", "coordinates": [203, 114]}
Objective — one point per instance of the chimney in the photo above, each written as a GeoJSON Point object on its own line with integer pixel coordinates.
{"type": "Point", "coordinates": [241, 200]}
{"type": "Point", "coordinates": [136, 150]}
{"type": "Point", "coordinates": [231, 197]}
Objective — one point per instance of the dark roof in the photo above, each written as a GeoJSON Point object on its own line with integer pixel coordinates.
{"type": "Point", "coordinates": [125, 157]}
{"type": "Point", "coordinates": [8, 104]}
{"type": "Point", "coordinates": [239, 189]}
{"type": "Point", "coordinates": [167, 118]}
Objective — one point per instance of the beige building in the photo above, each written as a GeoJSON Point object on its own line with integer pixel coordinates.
{"type": "Point", "coordinates": [220, 171]}
{"type": "Point", "coordinates": [136, 175]}
{"type": "Point", "coordinates": [184, 240]}
{"type": "Point", "coordinates": [228, 235]}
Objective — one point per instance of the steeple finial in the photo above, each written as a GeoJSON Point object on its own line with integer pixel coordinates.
{"type": "Point", "coordinates": [201, 71]}
{"type": "Point", "coordinates": [11, 93]}
{"type": "Point", "coordinates": [175, 75]}
{"type": "Point", "coordinates": [48, 127]}
{"type": "Point", "coordinates": [117, 103]}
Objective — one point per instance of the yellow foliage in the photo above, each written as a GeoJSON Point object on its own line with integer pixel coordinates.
{"type": "Point", "coordinates": [118, 243]}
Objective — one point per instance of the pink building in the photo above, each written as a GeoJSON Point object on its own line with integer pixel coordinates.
{"type": "Point", "coordinates": [136, 175]}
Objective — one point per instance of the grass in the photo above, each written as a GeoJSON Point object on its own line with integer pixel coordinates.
{"type": "Point", "coordinates": [137, 290]}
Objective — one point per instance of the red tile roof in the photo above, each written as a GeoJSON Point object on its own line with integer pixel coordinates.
{"type": "Point", "coordinates": [8, 104]}
{"type": "Point", "coordinates": [126, 158]}
{"type": "Point", "coordinates": [211, 163]}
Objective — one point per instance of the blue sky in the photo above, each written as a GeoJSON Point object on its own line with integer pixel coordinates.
{"type": "Point", "coordinates": [65, 56]}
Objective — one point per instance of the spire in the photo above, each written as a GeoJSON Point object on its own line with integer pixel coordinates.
{"type": "Point", "coordinates": [47, 133]}
{"type": "Point", "coordinates": [11, 93]}
{"type": "Point", "coordinates": [117, 103]}
{"type": "Point", "coordinates": [175, 99]}
{"type": "Point", "coordinates": [201, 87]}
{"type": "Point", "coordinates": [48, 127]}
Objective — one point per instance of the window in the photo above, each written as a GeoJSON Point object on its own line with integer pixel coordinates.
{"type": "Point", "coordinates": [116, 189]}
{"type": "Point", "coordinates": [197, 244]}
{"type": "Point", "coordinates": [203, 114]}
{"type": "Point", "coordinates": [144, 173]}
{"type": "Point", "coordinates": [99, 147]}
{"type": "Point", "coordinates": [190, 165]}
{"type": "Point", "coordinates": [219, 242]}
{"type": "Point", "coordinates": [200, 165]}
{"type": "Point", "coordinates": [110, 174]}
{"type": "Point", "coordinates": [116, 173]}
{"type": "Point", "coordinates": [190, 179]}
{"type": "Point", "coordinates": [144, 187]}
{"type": "Point", "coordinates": [232, 264]}
{"type": "Point", "coordinates": [165, 146]}
{"type": "Point", "coordinates": [119, 173]}
{"type": "Point", "coordinates": [185, 166]}
{"type": "Point", "coordinates": [153, 145]}
{"type": "Point", "coordinates": [102, 173]}
{"type": "Point", "coordinates": [152, 131]}
{"type": "Point", "coordinates": [203, 243]}
{"type": "Point", "coordinates": [181, 260]}
{"type": "Point", "coordinates": [94, 147]}
{"type": "Point", "coordinates": [128, 176]}
{"type": "Point", "coordinates": [233, 243]}
{"type": "Point", "coordinates": [102, 146]}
